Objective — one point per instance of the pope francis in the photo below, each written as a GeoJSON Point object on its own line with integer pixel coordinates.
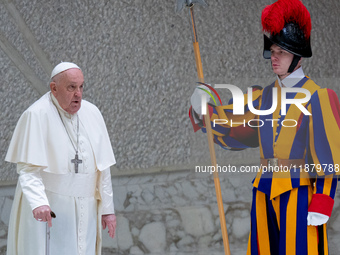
{"type": "Point", "coordinates": [63, 155]}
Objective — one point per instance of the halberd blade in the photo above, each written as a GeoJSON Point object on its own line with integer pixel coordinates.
{"type": "Point", "coordinates": [181, 3]}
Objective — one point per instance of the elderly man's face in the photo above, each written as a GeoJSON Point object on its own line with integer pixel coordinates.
{"type": "Point", "coordinates": [67, 87]}
{"type": "Point", "coordinates": [281, 60]}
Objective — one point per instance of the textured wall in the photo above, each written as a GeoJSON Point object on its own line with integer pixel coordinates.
{"type": "Point", "coordinates": [139, 66]}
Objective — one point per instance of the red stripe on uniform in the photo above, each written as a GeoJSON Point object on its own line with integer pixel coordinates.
{"type": "Point", "coordinates": [333, 99]}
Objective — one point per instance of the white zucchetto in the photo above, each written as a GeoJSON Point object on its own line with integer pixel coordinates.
{"type": "Point", "coordinates": [63, 66]}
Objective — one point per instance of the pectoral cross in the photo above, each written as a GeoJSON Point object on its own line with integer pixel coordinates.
{"type": "Point", "coordinates": [76, 162]}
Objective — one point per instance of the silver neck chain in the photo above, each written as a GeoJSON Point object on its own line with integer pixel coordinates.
{"type": "Point", "coordinates": [75, 148]}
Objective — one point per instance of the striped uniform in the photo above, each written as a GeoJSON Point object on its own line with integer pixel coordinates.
{"type": "Point", "coordinates": [282, 199]}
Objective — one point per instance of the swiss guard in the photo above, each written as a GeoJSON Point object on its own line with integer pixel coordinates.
{"type": "Point", "coordinates": [293, 193]}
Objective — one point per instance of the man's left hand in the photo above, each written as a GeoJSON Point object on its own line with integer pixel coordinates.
{"type": "Point", "coordinates": [109, 221]}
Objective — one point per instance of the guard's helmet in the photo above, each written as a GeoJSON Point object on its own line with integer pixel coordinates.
{"type": "Point", "coordinates": [288, 25]}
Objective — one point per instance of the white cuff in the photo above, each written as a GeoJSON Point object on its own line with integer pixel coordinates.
{"type": "Point", "coordinates": [197, 120]}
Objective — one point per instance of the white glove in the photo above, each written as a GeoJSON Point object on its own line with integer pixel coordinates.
{"type": "Point", "coordinates": [197, 96]}
{"type": "Point", "coordinates": [316, 219]}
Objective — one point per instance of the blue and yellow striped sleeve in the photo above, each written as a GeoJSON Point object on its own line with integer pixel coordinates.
{"type": "Point", "coordinates": [232, 131]}
{"type": "Point", "coordinates": [324, 147]}
{"type": "Point", "coordinates": [324, 132]}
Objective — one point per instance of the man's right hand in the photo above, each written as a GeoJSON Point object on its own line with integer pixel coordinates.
{"type": "Point", "coordinates": [43, 213]}
{"type": "Point", "coordinates": [196, 98]}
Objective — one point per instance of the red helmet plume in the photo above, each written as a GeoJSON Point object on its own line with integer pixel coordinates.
{"type": "Point", "coordinates": [289, 26]}
{"type": "Point", "coordinates": [277, 15]}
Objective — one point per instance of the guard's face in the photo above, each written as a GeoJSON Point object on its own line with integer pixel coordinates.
{"type": "Point", "coordinates": [68, 89]}
{"type": "Point", "coordinates": [281, 60]}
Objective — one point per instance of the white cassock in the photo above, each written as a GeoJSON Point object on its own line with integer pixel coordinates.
{"type": "Point", "coordinates": [43, 152]}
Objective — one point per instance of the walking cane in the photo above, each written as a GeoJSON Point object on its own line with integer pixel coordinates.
{"type": "Point", "coordinates": [190, 5]}
{"type": "Point", "coordinates": [48, 235]}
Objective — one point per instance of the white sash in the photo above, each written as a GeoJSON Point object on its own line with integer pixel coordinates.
{"type": "Point", "coordinates": [71, 184]}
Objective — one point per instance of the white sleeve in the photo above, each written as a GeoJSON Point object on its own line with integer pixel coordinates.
{"type": "Point", "coordinates": [32, 185]}
{"type": "Point", "coordinates": [106, 193]}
